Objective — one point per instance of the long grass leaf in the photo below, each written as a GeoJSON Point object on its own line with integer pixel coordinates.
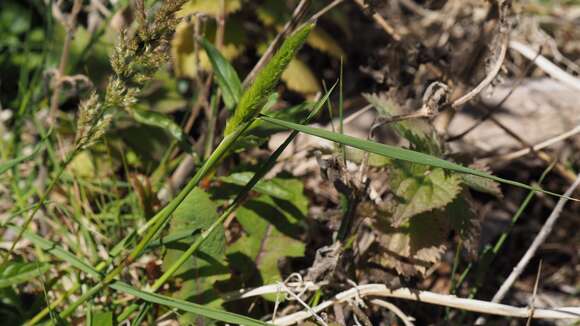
{"type": "Point", "coordinates": [398, 153]}
{"type": "Point", "coordinates": [212, 313]}
{"type": "Point", "coordinates": [5, 166]}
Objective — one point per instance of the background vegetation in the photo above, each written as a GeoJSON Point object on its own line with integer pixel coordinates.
{"type": "Point", "coordinates": [251, 162]}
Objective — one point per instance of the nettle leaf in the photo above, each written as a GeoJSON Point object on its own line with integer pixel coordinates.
{"type": "Point", "coordinates": [272, 231]}
{"type": "Point", "coordinates": [226, 75]}
{"type": "Point", "coordinates": [420, 189]}
{"type": "Point", "coordinates": [413, 247]}
{"type": "Point", "coordinates": [14, 273]}
{"type": "Point", "coordinates": [207, 266]}
{"type": "Point", "coordinates": [421, 136]}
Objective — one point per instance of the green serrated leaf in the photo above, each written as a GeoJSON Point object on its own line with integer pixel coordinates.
{"type": "Point", "coordinates": [226, 75]}
{"type": "Point", "coordinates": [420, 189]}
{"type": "Point", "coordinates": [420, 135]}
{"type": "Point", "coordinates": [14, 273]}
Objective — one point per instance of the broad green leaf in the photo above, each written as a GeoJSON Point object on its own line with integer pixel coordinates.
{"type": "Point", "coordinates": [226, 75]}
{"type": "Point", "coordinates": [14, 273]}
{"type": "Point", "coordinates": [268, 187]}
{"type": "Point", "coordinates": [402, 154]}
{"type": "Point", "coordinates": [271, 233]}
{"type": "Point", "coordinates": [420, 189]}
{"type": "Point", "coordinates": [5, 166]}
{"type": "Point", "coordinates": [201, 271]}
{"type": "Point", "coordinates": [156, 119]}
{"type": "Point", "coordinates": [266, 80]}
{"type": "Point", "coordinates": [101, 318]}
{"type": "Point", "coordinates": [183, 305]}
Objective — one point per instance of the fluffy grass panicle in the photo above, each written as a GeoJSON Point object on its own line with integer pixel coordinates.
{"type": "Point", "coordinates": [256, 95]}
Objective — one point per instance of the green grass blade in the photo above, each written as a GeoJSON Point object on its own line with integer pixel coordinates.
{"type": "Point", "coordinates": [212, 313]}
{"type": "Point", "coordinates": [398, 153]}
{"type": "Point", "coordinates": [14, 273]}
{"type": "Point", "coordinates": [59, 252]}
{"type": "Point", "coordinates": [5, 166]}
{"type": "Point", "coordinates": [226, 75]}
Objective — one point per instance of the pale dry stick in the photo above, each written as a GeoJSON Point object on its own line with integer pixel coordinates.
{"type": "Point", "coordinates": [297, 16]}
{"type": "Point", "coordinates": [390, 30]}
{"type": "Point", "coordinates": [525, 151]}
{"type": "Point", "coordinates": [310, 311]}
{"type": "Point", "coordinates": [534, 294]}
{"type": "Point", "coordinates": [407, 320]}
{"type": "Point", "coordinates": [559, 167]}
{"type": "Point", "coordinates": [538, 241]}
{"type": "Point", "coordinates": [480, 306]}
{"type": "Point", "coordinates": [326, 9]}
{"type": "Point", "coordinates": [357, 114]}
{"type": "Point", "coordinates": [546, 65]}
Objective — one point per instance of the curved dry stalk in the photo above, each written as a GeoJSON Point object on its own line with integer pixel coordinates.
{"type": "Point", "coordinates": [490, 76]}
{"type": "Point", "coordinates": [480, 306]}
{"type": "Point", "coordinates": [407, 320]}
{"type": "Point", "coordinates": [525, 151]}
{"type": "Point", "coordinates": [545, 64]}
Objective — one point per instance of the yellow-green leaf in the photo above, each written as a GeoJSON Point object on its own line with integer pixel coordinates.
{"type": "Point", "coordinates": [299, 78]}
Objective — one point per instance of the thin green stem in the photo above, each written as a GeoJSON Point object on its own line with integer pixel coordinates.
{"type": "Point", "coordinates": [161, 218]}
{"type": "Point", "coordinates": [40, 203]}
{"type": "Point", "coordinates": [238, 200]}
